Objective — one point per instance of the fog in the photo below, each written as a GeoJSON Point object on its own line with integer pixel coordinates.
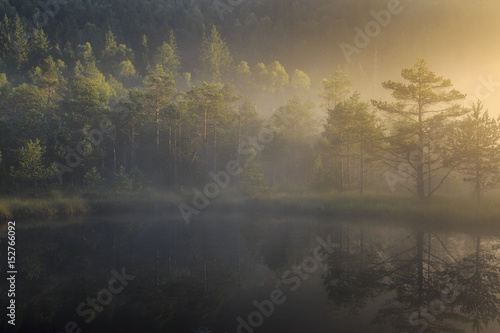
{"type": "Point", "coordinates": [250, 166]}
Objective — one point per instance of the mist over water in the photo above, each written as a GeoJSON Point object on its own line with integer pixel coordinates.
{"type": "Point", "coordinates": [214, 272]}
{"type": "Point", "coordinates": [249, 166]}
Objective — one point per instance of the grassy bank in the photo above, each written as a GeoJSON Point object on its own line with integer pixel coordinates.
{"type": "Point", "coordinates": [17, 207]}
{"type": "Point", "coordinates": [435, 212]}
{"type": "Point", "coordinates": [439, 211]}
{"type": "Point", "coordinates": [60, 204]}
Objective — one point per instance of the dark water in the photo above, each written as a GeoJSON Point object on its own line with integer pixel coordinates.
{"type": "Point", "coordinates": [236, 274]}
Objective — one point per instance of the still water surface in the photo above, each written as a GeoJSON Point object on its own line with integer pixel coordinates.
{"type": "Point", "coordinates": [230, 273]}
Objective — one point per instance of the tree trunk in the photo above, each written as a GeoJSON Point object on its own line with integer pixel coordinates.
{"type": "Point", "coordinates": [341, 164]}
{"type": "Point", "coordinates": [181, 181]}
{"type": "Point", "coordinates": [169, 155]}
{"type": "Point", "coordinates": [348, 160]}
{"type": "Point", "coordinates": [362, 247]}
{"type": "Point", "coordinates": [420, 159]}
{"type": "Point", "coordinates": [215, 145]}
{"type": "Point", "coordinates": [420, 266]}
{"type": "Point", "coordinates": [205, 141]}
{"type": "Point", "coordinates": [294, 179]}
{"type": "Point", "coordinates": [132, 141]}
{"type": "Point", "coordinates": [362, 169]}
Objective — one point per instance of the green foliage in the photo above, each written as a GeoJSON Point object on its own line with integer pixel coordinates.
{"type": "Point", "coordinates": [159, 95]}
{"type": "Point", "coordinates": [249, 121]}
{"type": "Point", "coordinates": [126, 69]}
{"type": "Point", "coordinates": [319, 173]}
{"type": "Point", "coordinates": [5, 86]}
{"type": "Point", "coordinates": [85, 54]}
{"type": "Point", "coordinates": [168, 57]}
{"type": "Point", "coordinates": [277, 76]}
{"type": "Point", "coordinates": [296, 128]}
{"type": "Point", "coordinates": [424, 108]}
{"type": "Point", "coordinates": [187, 80]}
{"type": "Point", "coordinates": [115, 56]}
{"type": "Point", "coordinates": [243, 70]}
{"type": "Point", "coordinates": [32, 170]}
{"type": "Point", "coordinates": [138, 178]}
{"type": "Point", "coordinates": [252, 179]}
{"type": "Point", "coordinates": [39, 47]}
{"type": "Point", "coordinates": [176, 128]}
{"type": "Point", "coordinates": [300, 81]}
{"type": "Point", "coordinates": [19, 42]}
{"type": "Point", "coordinates": [26, 109]}
{"type": "Point", "coordinates": [274, 78]}
{"type": "Point", "coordinates": [474, 149]}
{"type": "Point", "coordinates": [352, 136]}
{"type": "Point", "coordinates": [122, 182]}
{"type": "Point", "coordinates": [48, 77]}
{"type": "Point", "coordinates": [92, 179]}
{"type": "Point", "coordinates": [215, 57]}
{"type": "Point", "coordinates": [5, 45]}
{"type": "Point", "coordinates": [90, 93]}
{"type": "Point", "coordinates": [336, 88]}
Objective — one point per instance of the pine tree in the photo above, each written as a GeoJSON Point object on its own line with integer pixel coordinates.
{"type": "Point", "coordinates": [167, 55]}
{"type": "Point", "coordinates": [215, 57]}
{"type": "Point", "coordinates": [32, 170]}
{"type": "Point", "coordinates": [48, 77]}
{"type": "Point", "coordinates": [19, 42]}
{"type": "Point", "coordinates": [159, 94]}
{"type": "Point", "coordinates": [475, 149]}
{"type": "Point", "coordinates": [336, 88]}
{"type": "Point", "coordinates": [39, 47]}
{"type": "Point", "coordinates": [420, 117]}
{"type": "Point", "coordinates": [5, 42]}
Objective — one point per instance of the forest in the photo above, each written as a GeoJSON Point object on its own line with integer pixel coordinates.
{"type": "Point", "coordinates": [116, 97]}
{"type": "Point", "coordinates": [253, 166]}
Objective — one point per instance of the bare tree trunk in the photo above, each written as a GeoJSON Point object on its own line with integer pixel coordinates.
{"type": "Point", "coordinates": [362, 169]}
{"type": "Point", "coordinates": [114, 155]}
{"type": "Point", "coordinates": [169, 155]}
{"type": "Point", "coordinates": [429, 167]}
{"type": "Point", "coordinates": [362, 247]}
{"type": "Point", "coordinates": [349, 160]}
{"type": "Point", "coordinates": [341, 164]}
{"type": "Point", "coordinates": [132, 140]}
{"type": "Point", "coordinates": [420, 266]}
{"type": "Point", "coordinates": [420, 160]}
{"type": "Point", "coordinates": [176, 183]}
{"type": "Point", "coordinates": [215, 145]}
{"type": "Point", "coordinates": [180, 148]}
{"type": "Point", "coordinates": [239, 140]}
{"type": "Point", "coordinates": [205, 141]}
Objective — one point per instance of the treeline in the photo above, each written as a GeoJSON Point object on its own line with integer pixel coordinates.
{"type": "Point", "coordinates": [303, 34]}
{"type": "Point", "coordinates": [75, 117]}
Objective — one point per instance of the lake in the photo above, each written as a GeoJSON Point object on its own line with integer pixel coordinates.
{"type": "Point", "coordinates": [231, 273]}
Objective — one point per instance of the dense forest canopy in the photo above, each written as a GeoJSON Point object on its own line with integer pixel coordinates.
{"type": "Point", "coordinates": [129, 93]}
{"type": "Point", "coordinates": [457, 36]}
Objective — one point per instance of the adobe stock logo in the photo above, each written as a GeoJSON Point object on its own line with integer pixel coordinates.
{"type": "Point", "coordinates": [372, 29]}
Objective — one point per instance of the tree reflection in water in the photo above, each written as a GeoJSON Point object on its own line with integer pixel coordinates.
{"type": "Point", "coordinates": [209, 273]}
{"type": "Point", "coordinates": [430, 282]}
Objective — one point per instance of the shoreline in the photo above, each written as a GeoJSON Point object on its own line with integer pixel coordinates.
{"type": "Point", "coordinates": [440, 211]}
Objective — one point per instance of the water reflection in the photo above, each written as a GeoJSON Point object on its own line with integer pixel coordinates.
{"type": "Point", "coordinates": [208, 274]}
{"type": "Point", "coordinates": [433, 282]}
